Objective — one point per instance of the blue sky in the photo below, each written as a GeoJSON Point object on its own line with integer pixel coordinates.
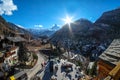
{"type": "Point", "coordinates": [45, 13]}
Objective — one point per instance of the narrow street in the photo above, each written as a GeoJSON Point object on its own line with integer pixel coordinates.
{"type": "Point", "coordinates": [36, 68]}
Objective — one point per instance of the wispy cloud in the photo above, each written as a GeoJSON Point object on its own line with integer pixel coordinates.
{"type": "Point", "coordinates": [7, 7]}
{"type": "Point", "coordinates": [38, 26]}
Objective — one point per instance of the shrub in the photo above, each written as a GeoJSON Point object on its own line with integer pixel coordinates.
{"type": "Point", "coordinates": [35, 56]}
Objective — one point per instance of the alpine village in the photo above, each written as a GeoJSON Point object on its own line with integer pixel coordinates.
{"type": "Point", "coordinates": [81, 50]}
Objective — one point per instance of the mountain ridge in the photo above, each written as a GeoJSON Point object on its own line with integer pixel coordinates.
{"type": "Point", "coordinates": [99, 30]}
{"type": "Point", "coordinates": [10, 29]}
{"type": "Point", "coordinates": [87, 38]}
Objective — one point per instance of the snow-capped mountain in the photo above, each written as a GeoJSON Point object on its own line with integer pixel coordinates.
{"type": "Point", "coordinates": [44, 31]}
{"type": "Point", "coordinates": [55, 27]}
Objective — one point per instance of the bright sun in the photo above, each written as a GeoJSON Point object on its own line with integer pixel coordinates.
{"type": "Point", "coordinates": [67, 20]}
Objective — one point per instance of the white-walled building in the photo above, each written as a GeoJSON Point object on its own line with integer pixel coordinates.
{"type": "Point", "coordinates": [11, 57]}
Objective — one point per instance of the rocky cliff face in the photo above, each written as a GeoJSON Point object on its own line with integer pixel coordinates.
{"type": "Point", "coordinates": [111, 18]}
{"type": "Point", "coordinates": [110, 21]}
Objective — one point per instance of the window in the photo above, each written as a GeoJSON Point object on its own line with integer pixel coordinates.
{"type": "Point", "coordinates": [9, 61]}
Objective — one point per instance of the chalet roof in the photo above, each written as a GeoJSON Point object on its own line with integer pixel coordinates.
{"type": "Point", "coordinates": [9, 53]}
{"type": "Point", "coordinates": [16, 39]}
{"type": "Point", "coordinates": [112, 53]}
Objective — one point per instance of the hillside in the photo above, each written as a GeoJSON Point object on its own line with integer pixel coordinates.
{"type": "Point", "coordinates": [89, 38]}
{"type": "Point", "coordinates": [10, 29]}
{"type": "Point", "coordinates": [17, 28]}
{"type": "Point", "coordinates": [79, 30]}
{"type": "Point", "coordinates": [111, 21]}
{"type": "Point", "coordinates": [107, 26]}
{"type": "Point", "coordinates": [4, 28]}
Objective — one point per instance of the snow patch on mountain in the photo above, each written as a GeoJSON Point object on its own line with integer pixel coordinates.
{"type": "Point", "coordinates": [44, 31]}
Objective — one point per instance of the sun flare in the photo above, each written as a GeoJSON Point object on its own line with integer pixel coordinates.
{"type": "Point", "coordinates": [68, 20]}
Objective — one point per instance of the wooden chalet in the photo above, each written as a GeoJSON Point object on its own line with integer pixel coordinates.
{"type": "Point", "coordinates": [109, 62]}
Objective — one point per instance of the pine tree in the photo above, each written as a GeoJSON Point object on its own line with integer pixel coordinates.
{"type": "Point", "coordinates": [22, 53]}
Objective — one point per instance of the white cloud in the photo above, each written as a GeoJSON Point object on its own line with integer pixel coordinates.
{"type": "Point", "coordinates": [7, 7]}
{"type": "Point", "coordinates": [38, 26]}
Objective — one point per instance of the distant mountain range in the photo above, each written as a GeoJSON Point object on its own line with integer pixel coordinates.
{"type": "Point", "coordinates": [44, 32]}
{"type": "Point", "coordinates": [10, 29]}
